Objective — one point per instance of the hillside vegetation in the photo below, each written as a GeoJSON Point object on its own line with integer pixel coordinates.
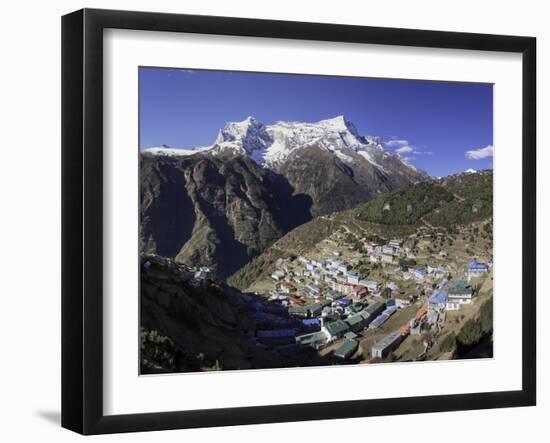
{"type": "Point", "coordinates": [454, 200]}
{"type": "Point", "coordinates": [404, 207]}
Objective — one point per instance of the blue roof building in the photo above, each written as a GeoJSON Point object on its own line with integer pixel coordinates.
{"type": "Point", "coordinates": [475, 269]}
{"type": "Point", "coordinates": [474, 265]}
{"type": "Point", "coordinates": [311, 324]}
{"type": "Point", "coordinates": [378, 321]}
{"type": "Point", "coordinates": [438, 298]}
{"type": "Point", "coordinates": [276, 337]}
{"type": "Point", "coordinates": [419, 273]}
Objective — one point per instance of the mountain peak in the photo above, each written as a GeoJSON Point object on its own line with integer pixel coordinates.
{"type": "Point", "coordinates": [233, 131]}
{"type": "Point", "coordinates": [271, 145]}
{"type": "Point", "coordinates": [248, 135]}
{"type": "Point", "coordinates": [339, 119]}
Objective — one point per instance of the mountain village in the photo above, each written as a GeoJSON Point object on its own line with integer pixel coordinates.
{"type": "Point", "coordinates": [339, 305]}
{"type": "Point", "coordinates": [329, 302]}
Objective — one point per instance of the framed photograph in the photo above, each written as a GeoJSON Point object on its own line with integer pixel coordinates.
{"type": "Point", "coordinates": [269, 221]}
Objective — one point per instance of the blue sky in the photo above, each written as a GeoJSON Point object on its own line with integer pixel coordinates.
{"type": "Point", "coordinates": [441, 127]}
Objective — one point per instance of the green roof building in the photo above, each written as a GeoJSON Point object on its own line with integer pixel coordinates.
{"type": "Point", "coordinates": [335, 329]}
{"type": "Point", "coordinates": [347, 349]}
{"type": "Point", "coordinates": [355, 322]}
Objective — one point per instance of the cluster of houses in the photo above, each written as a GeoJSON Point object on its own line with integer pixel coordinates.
{"type": "Point", "coordinates": [196, 276]}
{"type": "Point", "coordinates": [389, 253]}
{"type": "Point", "coordinates": [334, 273]}
{"type": "Point", "coordinates": [421, 274]}
{"type": "Point", "coordinates": [341, 311]}
{"type": "Point", "coordinates": [331, 296]}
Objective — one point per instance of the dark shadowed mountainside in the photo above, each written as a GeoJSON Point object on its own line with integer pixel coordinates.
{"type": "Point", "coordinates": [214, 211]}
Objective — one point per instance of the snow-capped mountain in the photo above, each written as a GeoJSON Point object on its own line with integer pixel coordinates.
{"type": "Point", "coordinates": [255, 183]}
{"type": "Point", "coordinates": [175, 152]}
{"type": "Point", "coordinates": [271, 145]}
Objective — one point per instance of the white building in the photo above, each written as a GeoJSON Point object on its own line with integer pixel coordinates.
{"type": "Point", "coordinates": [278, 275]}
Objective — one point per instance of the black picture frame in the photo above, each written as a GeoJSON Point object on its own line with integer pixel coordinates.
{"type": "Point", "coordinates": [82, 215]}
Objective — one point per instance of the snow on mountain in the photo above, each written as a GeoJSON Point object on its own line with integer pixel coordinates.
{"type": "Point", "coordinates": [271, 145]}
{"type": "Point", "coordinates": [470, 171]}
{"type": "Point", "coordinates": [174, 152]}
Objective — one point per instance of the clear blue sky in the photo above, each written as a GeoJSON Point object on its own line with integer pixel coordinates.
{"type": "Point", "coordinates": [433, 124]}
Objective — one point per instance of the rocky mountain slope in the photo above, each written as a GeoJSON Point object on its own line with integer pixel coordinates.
{"type": "Point", "coordinates": [214, 211]}
{"type": "Point", "coordinates": [221, 205]}
{"type": "Point", "coordinates": [327, 160]}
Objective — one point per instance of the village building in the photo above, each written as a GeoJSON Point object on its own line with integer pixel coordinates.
{"type": "Point", "coordinates": [333, 295]}
{"type": "Point", "coordinates": [276, 337]}
{"type": "Point", "coordinates": [335, 329]}
{"type": "Point", "coordinates": [476, 269]}
{"type": "Point", "coordinates": [393, 286]}
{"type": "Point", "coordinates": [368, 245]}
{"type": "Point", "coordinates": [355, 322]}
{"type": "Point", "coordinates": [372, 310]}
{"type": "Point", "coordinates": [359, 292]}
{"type": "Point", "coordinates": [419, 274]}
{"type": "Point", "coordinates": [378, 321]}
{"type": "Point", "coordinates": [354, 308]}
{"type": "Point", "coordinates": [343, 268]}
{"type": "Point", "coordinates": [317, 263]}
{"type": "Point", "coordinates": [305, 311]}
{"type": "Point", "coordinates": [347, 349]}
{"type": "Point", "coordinates": [395, 243]}
{"type": "Point", "coordinates": [383, 317]}
{"type": "Point", "coordinates": [278, 275]}
{"type": "Point", "coordinates": [298, 311]}
{"type": "Point", "coordinates": [287, 288]}
{"type": "Point", "coordinates": [317, 340]}
{"type": "Point", "coordinates": [354, 277]}
{"type": "Point", "coordinates": [311, 324]}
{"type": "Point", "coordinates": [388, 258]}
{"type": "Point", "coordinates": [403, 300]}
{"type": "Point", "coordinates": [343, 302]}
{"type": "Point", "coordinates": [459, 293]}
{"type": "Point", "coordinates": [342, 287]}
{"type": "Point", "coordinates": [437, 304]}
{"type": "Point", "coordinates": [382, 348]}
{"type": "Point", "coordinates": [313, 288]}
{"type": "Point", "coordinates": [314, 309]}
{"type": "Point", "coordinates": [371, 285]}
